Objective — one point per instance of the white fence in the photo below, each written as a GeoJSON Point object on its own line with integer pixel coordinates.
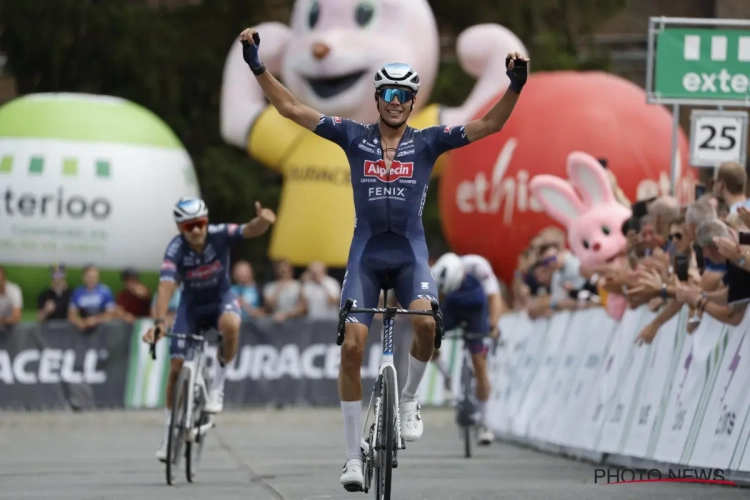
{"type": "Point", "coordinates": [578, 384]}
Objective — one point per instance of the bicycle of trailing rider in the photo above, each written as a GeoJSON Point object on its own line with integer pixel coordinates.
{"type": "Point", "coordinates": [189, 423]}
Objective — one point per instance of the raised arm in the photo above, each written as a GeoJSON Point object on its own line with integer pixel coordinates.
{"type": "Point", "coordinates": [494, 120]}
{"type": "Point", "coordinates": [279, 96]}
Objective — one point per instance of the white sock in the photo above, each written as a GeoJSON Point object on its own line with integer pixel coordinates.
{"type": "Point", "coordinates": [413, 379]}
{"type": "Point", "coordinates": [168, 420]}
{"type": "Point", "coordinates": [220, 374]}
{"type": "Point", "coordinates": [352, 411]}
{"type": "Point", "coordinates": [482, 407]}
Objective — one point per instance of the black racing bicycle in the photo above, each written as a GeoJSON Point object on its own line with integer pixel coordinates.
{"type": "Point", "coordinates": [383, 438]}
{"type": "Point", "coordinates": [466, 407]}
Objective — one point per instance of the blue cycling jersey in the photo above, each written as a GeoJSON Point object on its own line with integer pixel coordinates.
{"type": "Point", "coordinates": [469, 294]}
{"type": "Point", "coordinates": [204, 276]}
{"type": "Point", "coordinates": [389, 200]}
{"type": "Point", "coordinates": [388, 247]}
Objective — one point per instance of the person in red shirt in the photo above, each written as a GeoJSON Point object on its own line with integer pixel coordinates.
{"type": "Point", "coordinates": [134, 300]}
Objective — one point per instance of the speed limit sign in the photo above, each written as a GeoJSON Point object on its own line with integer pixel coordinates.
{"type": "Point", "coordinates": [717, 137]}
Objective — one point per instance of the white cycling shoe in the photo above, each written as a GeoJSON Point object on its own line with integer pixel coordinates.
{"type": "Point", "coordinates": [215, 400]}
{"type": "Point", "coordinates": [411, 421]}
{"type": "Point", "coordinates": [486, 436]}
{"type": "Point", "coordinates": [352, 477]}
{"type": "Point", "coordinates": [161, 453]}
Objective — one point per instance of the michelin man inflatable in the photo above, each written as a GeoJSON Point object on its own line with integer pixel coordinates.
{"type": "Point", "coordinates": [327, 57]}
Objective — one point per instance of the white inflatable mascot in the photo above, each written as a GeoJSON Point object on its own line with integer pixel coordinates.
{"type": "Point", "coordinates": [327, 58]}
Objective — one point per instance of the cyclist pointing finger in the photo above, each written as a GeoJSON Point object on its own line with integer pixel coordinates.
{"type": "Point", "coordinates": [390, 166]}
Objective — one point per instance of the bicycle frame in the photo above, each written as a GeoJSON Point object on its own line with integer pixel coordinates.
{"type": "Point", "coordinates": [195, 362]}
{"type": "Point", "coordinates": [387, 360]}
{"type": "Point", "coordinates": [194, 365]}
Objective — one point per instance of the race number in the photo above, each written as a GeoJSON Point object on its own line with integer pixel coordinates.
{"type": "Point", "coordinates": [717, 137]}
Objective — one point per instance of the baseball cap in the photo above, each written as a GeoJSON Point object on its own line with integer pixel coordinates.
{"type": "Point", "coordinates": [57, 271]}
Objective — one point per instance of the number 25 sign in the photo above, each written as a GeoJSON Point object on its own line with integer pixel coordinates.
{"type": "Point", "coordinates": [717, 137]}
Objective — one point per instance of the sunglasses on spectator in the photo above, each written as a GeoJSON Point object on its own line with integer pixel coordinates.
{"type": "Point", "coordinates": [188, 226]}
{"type": "Point", "coordinates": [675, 236]}
{"type": "Point", "coordinates": [549, 260]}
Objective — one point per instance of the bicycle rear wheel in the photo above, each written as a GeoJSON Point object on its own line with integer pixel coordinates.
{"type": "Point", "coordinates": [386, 435]}
{"type": "Point", "coordinates": [176, 435]}
{"type": "Point", "coordinates": [466, 407]}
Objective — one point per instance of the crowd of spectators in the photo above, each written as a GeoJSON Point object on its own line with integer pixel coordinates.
{"type": "Point", "coordinates": [695, 255]}
{"type": "Point", "coordinates": [314, 295]}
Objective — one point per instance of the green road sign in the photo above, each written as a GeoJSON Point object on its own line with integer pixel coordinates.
{"type": "Point", "coordinates": [703, 64]}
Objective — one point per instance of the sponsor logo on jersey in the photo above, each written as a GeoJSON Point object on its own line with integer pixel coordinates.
{"type": "Point", "coordinates": [168, 265]}
{"type": "Point", "coordinates": [336, 120]}
{"type": "Point", "coordinates": [205, 271]}
{"type": "Point", "coordinates": [448, 129]}
{"type": "Point", "coordinates": [398, 170]}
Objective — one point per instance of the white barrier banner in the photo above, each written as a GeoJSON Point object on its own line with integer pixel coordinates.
{"type": "Point", "coordinates": [693, 380]}
{"type": "Point", "coordinates": [501, 366]}
{"type": "Point", "coordinates": [579, 380]}
{"type": "Point", "coordinates": [595, 340]}
{"type": "Point", "coordinates": [653, 395]}
{"type": "Point", "coordinates": [607, 379]}
{"type": "Point", "coordinates": [533, 350]}
{"type": "Point", "coordinates": [561, 383]}
{"type": "Point", "coordinates": [620, 408]}
{"type": "Point", "coordinates": [716, 443]}
{"type": "Point", "coordinates": [540, 400]}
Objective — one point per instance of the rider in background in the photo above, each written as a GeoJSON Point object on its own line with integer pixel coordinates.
{"type": "Point", "coordinates": [470, 294]}
{"type": "Point", "coordinates": [198, 259]}
{"type": "Point", "coordinates": [390, 165]}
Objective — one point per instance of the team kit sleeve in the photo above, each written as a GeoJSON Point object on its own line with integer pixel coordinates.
{"type": "Point", "coordinates": [168, 270]}
{"type": "Point", "coordinates": [443, 138]}
{"type": "Point", "coordinates": [108, 300]}
{"type": "Point", "coordinates": [338, 130]}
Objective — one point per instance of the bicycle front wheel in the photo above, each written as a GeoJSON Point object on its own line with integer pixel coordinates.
{"type": "Point", "coordinates": [386, 435]}
{"type": "Point", "coordinates": [176, 435]}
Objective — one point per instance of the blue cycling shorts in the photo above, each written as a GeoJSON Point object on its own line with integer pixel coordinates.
{"type": "Point", "coordinates": [191, 318]}
{"type": "Point", "coordinates": [476, 322]}
{"type": "Point", "coordinates": [387, 258]}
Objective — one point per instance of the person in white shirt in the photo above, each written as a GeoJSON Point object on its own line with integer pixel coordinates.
{"type": "Point", "coordinates": [11, 301]}
{"type": "Point", "coordinates": [321, 292]}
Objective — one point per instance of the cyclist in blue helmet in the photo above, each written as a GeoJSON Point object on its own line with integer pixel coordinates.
{"type": "Point", "coordinates": [198, 258]}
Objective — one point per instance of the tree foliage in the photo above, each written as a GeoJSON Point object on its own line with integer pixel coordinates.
{"type": "Point", "coordinates": [171, 61]}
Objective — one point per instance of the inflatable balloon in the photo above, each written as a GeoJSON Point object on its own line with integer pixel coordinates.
{"type": "Point", "coordinates": [485, 203]}
{"type": "Point", "coordinates": [327, 57]}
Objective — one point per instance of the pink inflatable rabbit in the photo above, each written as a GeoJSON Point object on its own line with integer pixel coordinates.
{"type": "Point", "coordinates": [593, 220]}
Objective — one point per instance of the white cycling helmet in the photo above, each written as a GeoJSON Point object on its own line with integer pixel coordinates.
{"type": "Point", "coordinates": [400, 74]}
{"type": "Point", "coordinates": [189, 208]}
{"type": "Point", "coordinates": [449, 273]}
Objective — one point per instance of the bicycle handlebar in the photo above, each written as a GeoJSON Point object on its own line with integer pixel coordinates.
{"type": "Point", "coordinates": [392, 311]}
{"type": "Point", "coordinates": [187, 336]}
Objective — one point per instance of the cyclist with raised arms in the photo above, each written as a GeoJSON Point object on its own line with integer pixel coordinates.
{"type": "Point", "coordinates": [390, 166]}
{"type": "Point", "coordinates": [198, 257]}
{"type": "Point", "coordinates": [470, 294]}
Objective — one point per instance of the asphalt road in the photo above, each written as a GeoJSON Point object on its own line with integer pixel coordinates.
{"type": "Point", "coordinates": [283, 455]}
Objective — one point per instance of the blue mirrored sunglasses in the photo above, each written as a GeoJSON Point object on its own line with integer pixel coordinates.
{"type": "Point", "coordinates": [403, 95]}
